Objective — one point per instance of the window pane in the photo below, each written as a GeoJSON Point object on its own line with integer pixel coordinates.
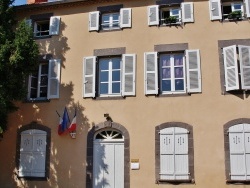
{"type": "Point", "coordinates": [116, 63]}
{"type": "Point", "coordinates": [115, 20]}
{"type": "Point", "coordinates": [44, 80]}
{"type": "Point", "coordinates": [179, 84]}
{"type": "Point", "coordinates": [104, 88]}
{"type": "Point", "coordinates": [34, 82]}
{"type": "Point", "coordinates": [178, 72]}
{"type": "Point", "coordinates": [116, 76]}
{"type": "Point", "coordinates": [104, 64]}
{"type": "Point", "coordinates": [166, 85]}
{"type": "Point", "coordinates": [44, 69]}
{"type": "Point", "coordinates": [237, 6]}
{"type": "Point", "coordinates": [116, 87]}
{"type": "Point", "coordinates": [165, 60]}
{"type": "Point", "coordinates": [43, 92]}
{"type": "Point", "coordinates": [166, 73]}
{"type": "Point", "coordinates": [104, 76]}
{"type": "Point", "coordinates": [33, 93]}
{"type": "Point", "coordinates": [178, 60]}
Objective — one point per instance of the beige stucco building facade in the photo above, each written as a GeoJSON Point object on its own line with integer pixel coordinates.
{"type": "Point", "coordinates": [147, 113]}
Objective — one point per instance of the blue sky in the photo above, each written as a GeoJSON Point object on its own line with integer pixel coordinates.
{"type": "Point", "coordinates": [20, 2]}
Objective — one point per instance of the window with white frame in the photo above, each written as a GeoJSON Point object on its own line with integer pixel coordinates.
{"type": "Point", "coordinates": [32, 161]}
{"type": "Point", "coordinates": [44, 84]}
{"type": "Point", "coordinates": [107, 20]}
{"type": "Point", "coordinates": [235, 10]}
{"type": "Point", "coordinates": [109, 76]}
{"type": "Point", "coordinates": [167, 15]}
{"type": "Point", "coordinates": [172, 72]}
{"type": "Point", "coordinates": [239, 149]}
{"type": "Point", "coordinates": [237, 67]}
{"type": "Point", "coordinates": [174, 162]}
{"type": "Point", "coordinates": [44, 27]}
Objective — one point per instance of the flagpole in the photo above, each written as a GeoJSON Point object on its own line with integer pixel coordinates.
{"type": "Point", "coordinates": [58, 113]}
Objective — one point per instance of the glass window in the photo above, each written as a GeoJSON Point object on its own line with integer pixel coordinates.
{"type": "Point", "coordinates": [38, 83]}
{"type": "Point", "coordinates": [232, 10]}
{"type": "Point", "coordinates": [172, 73]}
{"type": "Point", "coordinates": [110, 21]}
{"type": "Point", "coordinates": [110, 76]}
{"type": "Point", "coordinates": [41, 28]}
{"type": "Point", "coordinates": [170, 15]}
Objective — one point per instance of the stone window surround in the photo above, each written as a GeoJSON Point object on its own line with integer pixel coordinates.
{"type": "Point", "coordinates": [34, 125]}
{"type": "Point", "coordinates": [227, 150]}
{"type": "Point", "coordinates": [190, 152]}
{"type": "Point", "coordinates": [222, 44]}
{"type": "Point", "coordinates": [90, 141]}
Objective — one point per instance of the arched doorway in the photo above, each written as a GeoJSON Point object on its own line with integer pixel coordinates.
{"type": "Point", "coordinates": [108, 159]}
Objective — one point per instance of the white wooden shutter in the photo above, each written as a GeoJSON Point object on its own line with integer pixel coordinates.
{"type": "Point", "coordinates": [94, 21]}
{"type": "Point", "coordinates": [237, 152]}
{"type": "Point", "coordinates": [128, 74]}
{"type": "Point", "coordinates": [187, 12]}
{"type": "Point", "coordinates": [28, 22]}
{"type": "Point", "coordinates": [247, 149]}
{"type": "Point", "coordinates": [54, 25]}
{"type": "Point", "coordinates": [167, 154]}
{"type": "Point", "coordinates": [215, 10]}
{"type": "Point", "coordinates": [244, 56]}
{"type": "Point", "coordinates": [54, 78]}
{"type": "Point", "coordinates": [32, 153]}
{"type": "Point", "coordinates": [89, 75]}
{"type": "Point", "coordinates": [181, 154]}
{"type": "Point", "coordinates": [151, 73]}
{"type": "Point", "coordinates": [153, 15]}
{"type": "Point", "coordinates": [247, 5]}
{"type": "Point", "coordinates": [231, 68]}
{"type": "Point", "coordinates": [193, 71]}
{"type": "Point", "coordinates": [125, 17]}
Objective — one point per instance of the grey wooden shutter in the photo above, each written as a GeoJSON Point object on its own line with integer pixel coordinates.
{"type": "Point", "coordinates": [237, 152]}
{"type": "Point", "coordinates": [193, 71]}
{"type": "Point", "coordinates": [125, 17]}
{"type": "Point", "coordinates": [181, 154]}
{"type": "Point", "coordinates": [32, 153]}
{"type": "Point", "coordinates": [174, 154]}
{"type": "Point", "coordinates": [128, 74]}
{"type": "Point", "coordinates": [94, 21]}
{"type": "Point", "coordinates": [54, 25]}
{"type": "Point", "coordinates": [151, 73]}
{"type": "Point", "coordinates": [244, 56]}
{"type": "Point", "coordinates": [167, 154]}
{"type": "Point", "coordinates": [187, 12]}
{"type": "Point", "coordinates": [153, 15]}
{"type": "Point", "coordinates": [247, 6]}
{"type": "Point", "coordinates": [54, 78]}
{"type": "Point", "coordinates": [215, 10]}
{"type": "Point", "coordinates": [89, 75]}
{"type": "Point", "coordinates": [231, 68]}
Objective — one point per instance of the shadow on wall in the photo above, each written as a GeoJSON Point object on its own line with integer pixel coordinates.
{"type": "Point", "coordinates": [67, 155]}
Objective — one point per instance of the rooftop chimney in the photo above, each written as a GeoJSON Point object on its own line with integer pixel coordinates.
{"type": "Point", "coordinates": [35, 1]}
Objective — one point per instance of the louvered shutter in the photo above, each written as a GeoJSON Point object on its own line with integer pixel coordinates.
{"type": "Point", "coordinates": [244, 56]}
{"type": "Point", "coordinates": [215, 10]}
{"type": "Point", "coordinates": [153, 15]}
{"type": "Point", "coordinates": [181, 154]}
{"type": "Point", "coordinates": [247, 5]}
{"type": "Point", "coordinates": [54, 78]}
{"type": "Point", "coordinates": [193, 71]}
{"type": "Point", "coordinates": [237, 152]}
{"type": "Point", "coordinates": [94, 21]}
{"type": "Point", "coordinates": [54, 25]}
{"type": "Point", "coordinates": [167, 168]}
{"type": "Point", "coordinates": [89, 70]}
{"type": "Point", "coordinates": [231, 68]}
{"type": "Point", "coordinates": [125, 17]}
{"type": "Point", "coordinates": [151, 73]}
{"type": "Point", "coordinates": [187, 12]}
{"type": "Point", "coordinates": [128, 74]}
{"type": "Point", "coordinates": [28, 22]}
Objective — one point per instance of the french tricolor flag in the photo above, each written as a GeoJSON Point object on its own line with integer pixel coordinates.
{"type": "Point", "coordinates": [72, 127]}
